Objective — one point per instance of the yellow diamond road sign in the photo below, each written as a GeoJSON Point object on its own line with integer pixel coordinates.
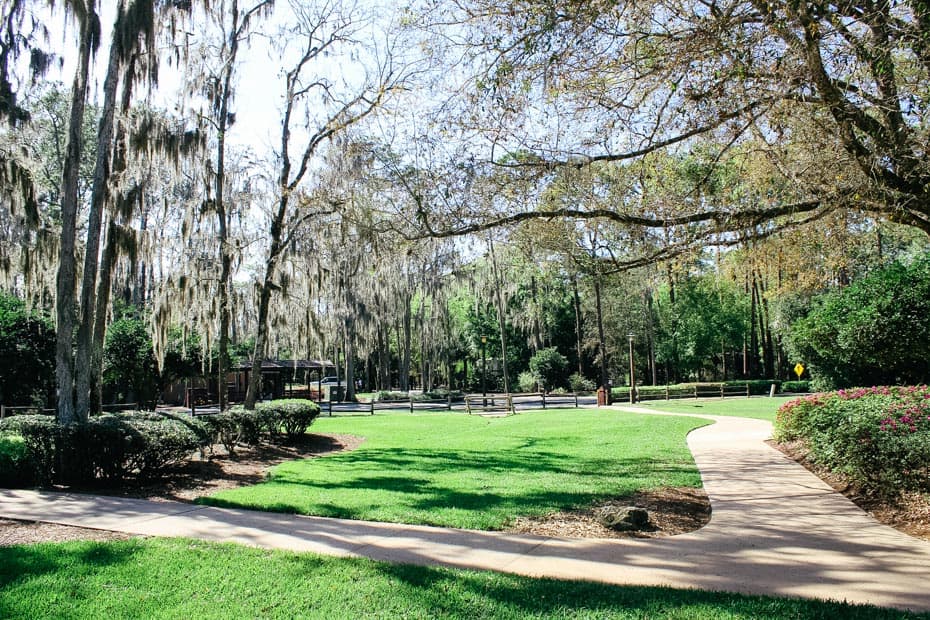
{"type": "Point", "coordinates": [799, 369]}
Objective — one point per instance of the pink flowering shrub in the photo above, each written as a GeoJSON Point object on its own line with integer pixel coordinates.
{"type": "Point", "coordinates": [879, 436]}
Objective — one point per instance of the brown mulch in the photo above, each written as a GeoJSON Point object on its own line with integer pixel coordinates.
{"type": "Point", "coordinates": [671, 511]}
{"type": "Point", "coordinates": [908, 512]}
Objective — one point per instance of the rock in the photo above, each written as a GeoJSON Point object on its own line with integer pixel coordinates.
{"type": "Point", "coordinates": [623, 519]}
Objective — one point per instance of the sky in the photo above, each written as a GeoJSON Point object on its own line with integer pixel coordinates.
{"type": "Point", "coordinates": [260, 72]}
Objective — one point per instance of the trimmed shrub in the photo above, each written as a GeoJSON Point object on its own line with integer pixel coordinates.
{"type": "Point", "coordinates": [879, 437]}
{"type": "Point", "coordinates": [388, 396]}
{"type": "Point", "coordinates": [251, 424]}
{"type": "Point", "coordinates": [224, 429]}
{"type": "Point", "coordinates": [40, 435]}
{"type": "Point", "coordinates": [110, 446]}
{"type": "Point", "coordinates": [293, 415]}
{"type": "Point", "coordinates": [442, 394]}
{"type": "Point", "coordinates": [15, 466]}
{"type": "Point", "coordinates": [527, 381]}
{"type": "Point", "coordinates": [579, 384]}
{"type": "Point", "coordinates": [799, 387]}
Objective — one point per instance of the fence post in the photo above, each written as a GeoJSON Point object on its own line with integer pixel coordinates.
{"type": "Point", "coordinates": [330, 402]}
{"type": "Point", "coordinates": [449, 401]}
{"type": "Point", "coordinates": [544, 399]}
{"type": "Point", "coordinates": [411, 401]}
{"type": "Point", "coordinates": [667, 395]}
{"type": "Point", "coordinates": [695, 390]}
{"type": "Point", "coordinates": [510, 404]}
{"type": "Point", "coordinates": [372, 405]}
{"type": "Point", "coordinates": [721, 390]}
{"type": "Point", "coordinates": [2, 411]}
{"type": "Point", "coordinates": [193, 409]}
{"type": "Point", "coordinates": [576, 400]}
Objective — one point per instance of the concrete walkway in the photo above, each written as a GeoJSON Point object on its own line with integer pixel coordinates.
{"type": "Point", "coordinates": [775, 529]}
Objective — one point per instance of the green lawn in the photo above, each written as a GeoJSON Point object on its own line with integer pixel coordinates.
{"type": "Point", "coordinates": [473, 472]}
{"type": "Point", "coordinates": [179, 578]}
{"type": "Point", "coordinates": [760, 407]}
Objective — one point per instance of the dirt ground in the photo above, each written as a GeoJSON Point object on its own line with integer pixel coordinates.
{"type": "Point", "coordinates": [671, 510]}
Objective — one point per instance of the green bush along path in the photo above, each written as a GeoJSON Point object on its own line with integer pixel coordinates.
{"type": "Point", "coordinates": [478, 473]}
{"type": "Point", "coordinates": [180, 578]}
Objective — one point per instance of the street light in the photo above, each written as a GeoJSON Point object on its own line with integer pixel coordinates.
{"type": "Point", "coordinates": [632, 371]}
{"type": "Point", "coordinates": [484, 373]}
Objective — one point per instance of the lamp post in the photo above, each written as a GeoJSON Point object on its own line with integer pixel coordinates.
{"type": "Point", "coordinates": [632, 371]}
{"type": "Point", "coordinates": [484, 373]}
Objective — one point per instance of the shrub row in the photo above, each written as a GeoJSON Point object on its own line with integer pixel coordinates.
{"type": "Point", "coordinates": [109, 446]}
{"type": "Point", "coordinates": [796, 387]}
{"type": "Point", "coordinates": [879, 436]}
{"type": "Point", "coordinates": [35, 449]}
{"type": "Point", "coordinates": [385, 396]}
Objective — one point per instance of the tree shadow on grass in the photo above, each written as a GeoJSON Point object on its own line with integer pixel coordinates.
{"type": "Point", "coordinates": [74, 560]}
{"type": "Point", "coordinates": [507, 484]}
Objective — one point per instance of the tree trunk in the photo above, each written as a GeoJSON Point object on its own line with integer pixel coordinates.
{"type": "Point", "coordinates": [350, 360]}
{"type": "Point", "coordinates": [407, 337]}
{"type": "Point", "coordinates": [264, 300]}
{"type": "Point", "coordinates": [578, 335]}
{"type": "Point", "coordinates": [65, 284]}
{"type": "Point", "coordinates": [100, 318]}
{"type": "Point", "coordinates": [501, 322]}
{"type": "Point", "coordinates": [99, 194]}
{"type": "Point", "coordinates": [601, 340]}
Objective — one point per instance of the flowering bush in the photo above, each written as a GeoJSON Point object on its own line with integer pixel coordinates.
{"type": "Point", "coordinates": [878, 436]}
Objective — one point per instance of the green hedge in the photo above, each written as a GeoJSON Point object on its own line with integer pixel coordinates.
{"type": "Point", "coordinates": [797, 387]}
{"type": "Point", "coordinates": [879, 436]}
{"type": "Point", "coordinates": [757, 387]}
{"type": "Point", "coordinates": [16, 468]}
{"type": "Point", "coordinates": [293, 416]}
{"type": "Point", "coordinates": [110, 446]}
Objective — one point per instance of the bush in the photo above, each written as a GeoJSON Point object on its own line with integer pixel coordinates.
{"type": "Point", "coordinates": [387, 396]}
{"type": "Point", "coordinates": [549, 367]}
{"type": "Point", "coordinates": [879, 437]}
{"type": "Point", "coordinates": [875, 331]}
{"type": "Point", "coordinates": [579, 384]}
{"type": "Point", "coordinates": [40, 436]}
{"type": "Point", "coordinates": [15, 466]}
{"type": "Point", "coordinates": [293, 415]}
{"type": "Point", "coordinates": [438, 394]}
{"type": "Point", "coordinates": [251, 424]}
{"type": "Point", "coordinates": [800, 387]}
{"type": "Point", "coordinates": [110, 446]}
{"type": "Point", "coordinates": [27, 354]}
{"type": "Point", "coordinates": [224, 429]}
{"type": "Point", "coordinates": [527, 381]}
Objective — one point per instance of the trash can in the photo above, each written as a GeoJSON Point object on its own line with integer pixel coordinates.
{"type": "Point", "coordinates": [601, 396]}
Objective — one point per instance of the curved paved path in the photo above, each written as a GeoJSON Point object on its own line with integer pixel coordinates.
{"type": "Point", "coordinates": [775, 529]}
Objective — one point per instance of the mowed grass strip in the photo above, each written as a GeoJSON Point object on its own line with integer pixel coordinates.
{"type": "Point", "coordinates": [758, 407]}
{"type": "Point", "coordinates": [180, 578]}
{"type": "Point", "coordinates": [479, 473]}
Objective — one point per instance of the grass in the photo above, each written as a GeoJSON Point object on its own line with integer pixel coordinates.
{"type": "Point", "coordinates": [478, 473]}
{"type": "Point", "coordinates": [179, 578]}
{"type": "Point", "coordinates": [759, 407]}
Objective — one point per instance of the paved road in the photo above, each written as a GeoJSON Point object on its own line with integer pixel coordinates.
{"type": "Point", "coordinates": [775, 529]}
